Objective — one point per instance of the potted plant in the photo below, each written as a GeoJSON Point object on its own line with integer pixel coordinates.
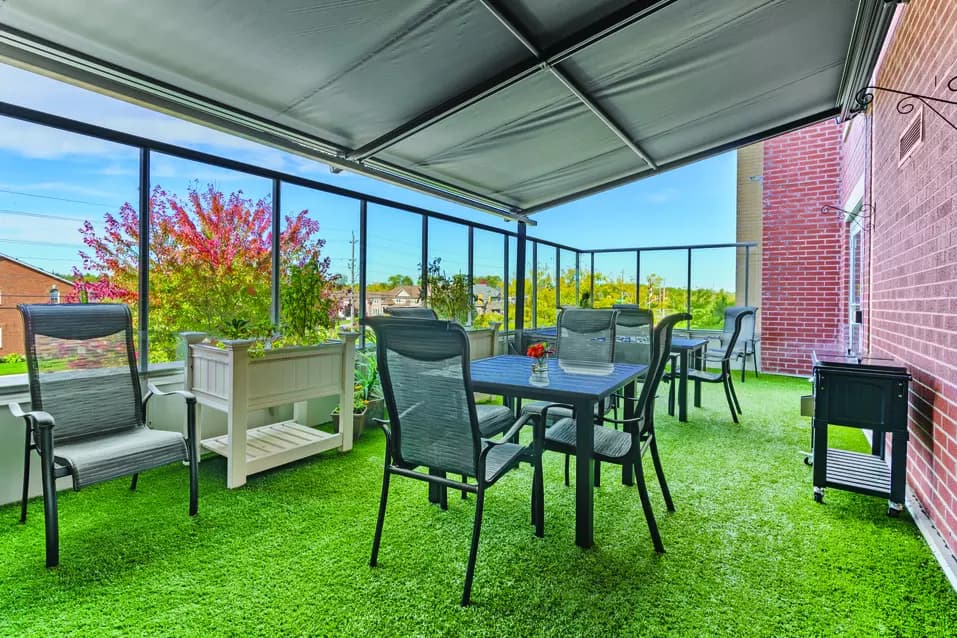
{"type": "Point", "coordinates": [367, 399]}
{"type": "Point", "coordinates": [242, 373]}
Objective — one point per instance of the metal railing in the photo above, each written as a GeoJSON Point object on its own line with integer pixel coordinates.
{"type": "Point", "coordinates": [516, 241]}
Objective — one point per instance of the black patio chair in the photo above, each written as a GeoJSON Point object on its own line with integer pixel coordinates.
{"type": "Point", "coordinates": [493, 419]}
{"type": "Point", "coordinates": [87, 418]}
{"type": "Point", "coordinates": [746, 345]}
{"type": "Point", "coordinates": [724, 375]}
{"type": "Point", "coordinates": [433, 422]}
{"type": "Point", "coordinates": [411, 312]}
{"type": "Point", "coordinates": [626, 446]}
{"type": "Point", "coordinates": [584, 335]}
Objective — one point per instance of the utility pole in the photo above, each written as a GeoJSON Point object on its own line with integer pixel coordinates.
{"type": "Point", "coordinates": [352, 281]}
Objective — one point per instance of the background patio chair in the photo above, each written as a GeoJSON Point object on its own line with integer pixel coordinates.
{"type": "Point", "coordinates": [584, 335]}
{"type": "Point", "coordinates": [433, 422]}
{"type": "Point", "coordinates": [626, 447]}
{"type": "Point", "coordinates": [87, 418]}
{"type": "Point", "coordinates": [414, 312]}
{"type": "Point", "coordinates": [746, 345]}
{"type": "Point", "coordinates": [723, 358]}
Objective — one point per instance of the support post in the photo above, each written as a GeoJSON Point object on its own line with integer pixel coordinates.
{"type": "Point", "coordinates": [520, 278]}
{"type": "Point", "coordinates": [276, 218]}
{"type": "Point", "coordinates": [143, 303]}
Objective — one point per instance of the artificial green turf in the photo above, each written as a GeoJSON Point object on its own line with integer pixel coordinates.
{"type": "Point", "coordinates": [749, 553]}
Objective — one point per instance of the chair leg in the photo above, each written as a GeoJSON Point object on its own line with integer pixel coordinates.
{"type": "Point", "coordinates": [734, 395]}
{"type": "Point", "coordinates": [193, 485]}
{"type": "Point", "coordinates": [671, 396]}
{"type": "Point", "coordinates": [473, 552]}
{"type": "Point", "coordinates": [744, 364]}
{"type": "Point", "coordinates": [659, 471]}
{"type": "Point", "coordinates": [380, 519]}
{"type": "Point", "coordinates": [26, 477]}
{"type": "Point", "coordinates": [646, 506]}
{"type": "Point", "coordinates": [754, 360]}
{"type": "Point", "coordinates": [727, 395]}
{"type": "Point", "coordinates": [133, 482]}
{"type": "Point", "coordinates": [597, 473]}
{"type": "Point", "coordinates": [465, 495]}
{"type": "Point", "coordinates": [51, 523]}
{"type": "Point", "coordinates": [567, 462]}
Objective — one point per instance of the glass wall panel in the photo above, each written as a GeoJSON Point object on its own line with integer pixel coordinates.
{"type": "Point", "coordinates": [324, 226]}
{"type": "Point", "coordinates": [614, 279]}
{"type": "Point", "coordinates": [512, 280]}
{"type": "Point", "coordinates": [546, 299]}
{"type": "Point", "coordinates": [712, 286]}
{"type": "Point", "coordinates": [664, 281]}
{"type": "Point", "coordinates": [567, 278]}
{"type": "Point", "coordinates": [210, 253]}
{"type": "Point", "coordinates": [394, 261]}
{"type": "Point", "coordinates": [449, 270]}
{"type": "Point", "coordinates": [530, 276]}
{"type": "Point", "coordinates": [489, 285]}
{"type": "Point", "coordinates": [68, 214]}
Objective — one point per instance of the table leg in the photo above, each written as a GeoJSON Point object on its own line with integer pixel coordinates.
{"type": "Point", "coordinates": [683, 386]}
{"type": "Point", "coordinates": [699, 358]}
{"type": "Point", "coordinates": [584, 473]}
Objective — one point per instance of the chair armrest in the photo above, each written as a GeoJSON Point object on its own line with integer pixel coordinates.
{"type": "Point", "coordinates": [154, 391]}
{"type": "Point", "coordinates": [35, 418]}
{"type": "Point", "coordinates": [546, 408]}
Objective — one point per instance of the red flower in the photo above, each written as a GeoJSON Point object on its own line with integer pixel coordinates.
{"type": "Point", "coordinates": [538, 350]}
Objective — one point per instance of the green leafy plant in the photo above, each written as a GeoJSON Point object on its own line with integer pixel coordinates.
{"type": "Point", "coordinates": [448, 296]}
{"type": "Point", "coordinates": [13, 357]}
{"type": "Point", "coordinates": [308, 306]}
{"type": "Point", "coordinates": [367, 386]}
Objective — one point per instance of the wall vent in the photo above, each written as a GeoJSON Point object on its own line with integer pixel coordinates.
{"type": "Point", "coordinates": [912, 136]}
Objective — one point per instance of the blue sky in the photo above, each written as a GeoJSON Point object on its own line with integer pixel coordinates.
{"type": "Point", "coordinates": [51, 181]}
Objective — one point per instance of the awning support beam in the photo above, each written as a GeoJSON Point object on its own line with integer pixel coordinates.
{"type": "Point", "coordinates": [577, 42]}
{"type": "Point", "coordinates": [516, 30]}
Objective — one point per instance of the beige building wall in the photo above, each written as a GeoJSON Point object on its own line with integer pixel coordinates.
{"type": "Point", "coordinates": [750, 204]}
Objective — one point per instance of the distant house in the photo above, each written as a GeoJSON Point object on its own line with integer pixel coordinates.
{"type": "Point", "coordinates": [404, 296]}
{"type": "Point", "coordinates": [22, 283]}
{"type": "Point", "coordinates": [487, 298]}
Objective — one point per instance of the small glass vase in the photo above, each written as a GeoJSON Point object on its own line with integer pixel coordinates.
{"type": "Point", "coordinates": [539, 375]}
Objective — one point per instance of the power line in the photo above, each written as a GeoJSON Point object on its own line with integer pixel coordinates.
{"type": "Point", "coordinates": [24, 213]}
{"type": "Point", "coordinates": [40, 243]}
{"type": "Point", "coordinates": [58, 199]}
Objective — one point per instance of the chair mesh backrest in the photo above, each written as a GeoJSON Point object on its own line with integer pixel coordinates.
{"type": "Point", "coordinates": [738, 325]}
{"type": "Point", "coordinates": [82, 367]}
{"type": "Point", "coordinates": [660, 350]}
{"type": "Point", "coordinates": [416, 312]}
{"type": "Point", "coordinates": [587, 335]}
{"type": "Point", "coordinates": [424, 367]}
{"type": "Point", "coordinates": [633, 333]}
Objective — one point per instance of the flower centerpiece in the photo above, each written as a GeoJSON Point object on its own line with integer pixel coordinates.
{"type": "Point", "coordinates": [539, 352]}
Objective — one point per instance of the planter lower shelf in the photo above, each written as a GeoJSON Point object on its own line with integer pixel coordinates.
{"type": "Point", "coordinates": [276, 444]}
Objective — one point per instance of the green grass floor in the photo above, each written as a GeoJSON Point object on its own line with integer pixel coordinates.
{"type": "Point", "coordinates": [749, 553]}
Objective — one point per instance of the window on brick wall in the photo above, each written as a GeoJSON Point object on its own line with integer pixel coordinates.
{"type": "Point", "coordinates": [855, 280]}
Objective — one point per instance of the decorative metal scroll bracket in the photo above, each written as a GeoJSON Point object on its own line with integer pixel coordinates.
{"type": "Point", "coordinates": [905, 105]}
{"type": "Point", "coordinates": [863, 214]}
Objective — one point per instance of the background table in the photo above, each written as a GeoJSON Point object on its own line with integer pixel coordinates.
{"type": "Point", "coordinates": [683, 347]}
{"type": "Point", "coordinates": [508, 375]}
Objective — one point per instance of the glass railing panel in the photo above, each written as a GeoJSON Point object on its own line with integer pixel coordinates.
{"type": "Point", "coordinates": [489, 285]}
{"type": "Point", "coordinates": [394, 262]}
{"type": "Point", "coordinates": [325, 227]}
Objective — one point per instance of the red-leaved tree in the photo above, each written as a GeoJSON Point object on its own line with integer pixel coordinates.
{"type": "Point", "coordinates": [210, 261]}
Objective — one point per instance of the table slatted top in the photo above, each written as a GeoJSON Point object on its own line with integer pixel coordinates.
{"type": "Point", "coordinates": [509, 375]}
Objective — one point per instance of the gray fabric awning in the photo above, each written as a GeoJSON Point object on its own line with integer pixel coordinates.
{"type": "Point", "coordinates": [507, 106]}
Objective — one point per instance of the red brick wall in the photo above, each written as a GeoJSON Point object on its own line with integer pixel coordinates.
{"type": "Point", "coordinates": [19, 284]}
{"type": "Point", "coordinates": [802, 300]}
{"type": "Point", "coordinates": [913, 287]}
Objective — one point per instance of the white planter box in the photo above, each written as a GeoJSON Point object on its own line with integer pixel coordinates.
{"type": "Point", "coordinates": [227, 379]}
{"type": "Point", "coordinates": [482, 342]}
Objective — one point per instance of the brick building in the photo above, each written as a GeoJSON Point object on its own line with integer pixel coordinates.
{"type": "Point", "coordinates": [22, 283]}
{"type": "Point", "coordinates": [878, 271]}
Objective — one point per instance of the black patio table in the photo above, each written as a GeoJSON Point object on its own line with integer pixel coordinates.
{"type": "Point", "coordinates": [578, 385]}
{"type": "Point", "coordinates": [685, 347]}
